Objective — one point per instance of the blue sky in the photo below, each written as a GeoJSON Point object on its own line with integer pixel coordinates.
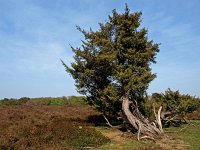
{"type": "Point", "coordinates": [35, 34]}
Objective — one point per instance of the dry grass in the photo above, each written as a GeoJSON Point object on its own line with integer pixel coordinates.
{"type": "Point", "coordinates": [67, 127]}
{"type": "Point", "coordinates": [47, 127]}
{"type": "Point", "coordinates": [194, 115]}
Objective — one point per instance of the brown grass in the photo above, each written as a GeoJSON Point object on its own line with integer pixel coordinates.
{"type": "Point", "coordinates": [63, 127]}
{"type": "Point", "coordinates": [44, 127]}
{"type": "Point", "coordinates": [194, 115]}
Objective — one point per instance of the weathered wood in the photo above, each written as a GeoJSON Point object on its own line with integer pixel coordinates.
{"type": "Point", "coordinates": [140, 123]}
{"type": "Point", "coordinates": [108, 122]}
{"type": "Point", "coordinates": [158, 118]}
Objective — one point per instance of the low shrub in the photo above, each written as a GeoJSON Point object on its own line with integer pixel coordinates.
{"type": "Point", "coordinates": [43, 101]}
{"type": "Point", "coordinates": [48, 127]}
{"type": "Point", "coordinates": [13, 101]}
{"type": "Point", "coordinates": [39, 101]}
{"type": "Point", "coordinates": [57, 101]}
{"type": "Point", "coordinates": [76, 100]}
{"type": "Point", "coordinates": [82, 136]}
{"type": "Point", "coordinates": [175, 106]}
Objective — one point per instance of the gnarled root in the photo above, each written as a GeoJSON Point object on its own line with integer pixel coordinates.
{"type": "Point", "coordinates": [141, 124]}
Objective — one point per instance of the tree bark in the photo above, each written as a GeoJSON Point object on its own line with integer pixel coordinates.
{"type": "Point", "coordinates": [140, 123]}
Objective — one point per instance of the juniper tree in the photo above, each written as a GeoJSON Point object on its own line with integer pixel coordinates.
{"type": "Point", "coordinates": [175, 106]}
{"type": "Point", "coordinates": [112, 67]}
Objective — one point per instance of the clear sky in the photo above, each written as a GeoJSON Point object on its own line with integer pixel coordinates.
{"type": "Point", "coordinates": [35, 34]}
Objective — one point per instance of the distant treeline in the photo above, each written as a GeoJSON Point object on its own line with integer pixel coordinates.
{"type": "Point", "coordinates": [43, 101]}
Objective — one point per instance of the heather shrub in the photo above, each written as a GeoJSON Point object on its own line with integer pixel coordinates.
{"type": "Point", "coordinates": [39, 101]}
{"type": "Point", "coordinates": [48, 127]}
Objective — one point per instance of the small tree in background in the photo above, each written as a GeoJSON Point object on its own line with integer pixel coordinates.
{"type": "Point", "coordinates": [175, 106]}
{"type": "Point", "coordinates": [112, 68]}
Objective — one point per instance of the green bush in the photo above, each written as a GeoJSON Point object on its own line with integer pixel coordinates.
{"type": "Point", "coordinates": [13, 101]}
{"type": "Point", "coordinates": [76, 100]}
{"type": "Point", "coordinates": [23, 100]}
{"type": "Point", "coordinates": [175, 102]}
{"type": "Point", "coordinates": [82, 137]}
{"type": "Point", "coordinates": [171, 101]}
{"type": "Point", "coordinates": [175, 105]}
{"type": "Point", "coordinates": [57, 101]}
{"type": "Point", "coordinates": [44, 101]}
{"type": "Point", "coordinates": [7, 101]}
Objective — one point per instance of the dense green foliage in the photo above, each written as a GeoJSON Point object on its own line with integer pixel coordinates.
{"type": "Point", "coordinates": [175, 102]}
{"type": "Point", "coordinates": [84, 137]}
{"type": "Point", "coordinates": [114, 61]}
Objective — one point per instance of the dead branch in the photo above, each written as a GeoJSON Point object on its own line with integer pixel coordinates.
{"type": "Point", "coordinates": [148, 137]}
{"type": "Point", "coordinates": [138, 134]}
{"type": "Point", "coordinates": [108, 122]}
{"type": "Point", "coordinates": [110, 125]}
{"type": "Point", "coordinates": [88, 147]}
{"type": "Point", "coordinates": [159, 119]}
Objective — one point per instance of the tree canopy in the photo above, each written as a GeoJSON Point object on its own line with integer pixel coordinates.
{"type": "Point", "coordinates": [114, 61]}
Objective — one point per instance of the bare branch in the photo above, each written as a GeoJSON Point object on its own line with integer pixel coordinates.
{"type": "Point", "coordinates": [159, 120]}
{"type": "Point", "coordinates": [108, 122]}
{"type": "Point", "coordinates": [139, 128]}
{"type": "Point", "coordinates": [148, 137]}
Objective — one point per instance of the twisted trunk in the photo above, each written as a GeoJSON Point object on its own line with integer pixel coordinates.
{"type": "Point", "coordinates": [140, 123]}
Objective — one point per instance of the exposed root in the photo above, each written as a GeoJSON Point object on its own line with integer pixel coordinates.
{"type": "Point", "coordinates": [148, 137]}
{"type": "Point", "coordinates": [88, 147]}
{"type": "Point", "coordinates": [142, 124]}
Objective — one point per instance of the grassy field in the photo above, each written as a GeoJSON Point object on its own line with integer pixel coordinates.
{"type": "Point", "coordinates": [70, 127]}
{"type": "Point", "coordinates": [188, 135]}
